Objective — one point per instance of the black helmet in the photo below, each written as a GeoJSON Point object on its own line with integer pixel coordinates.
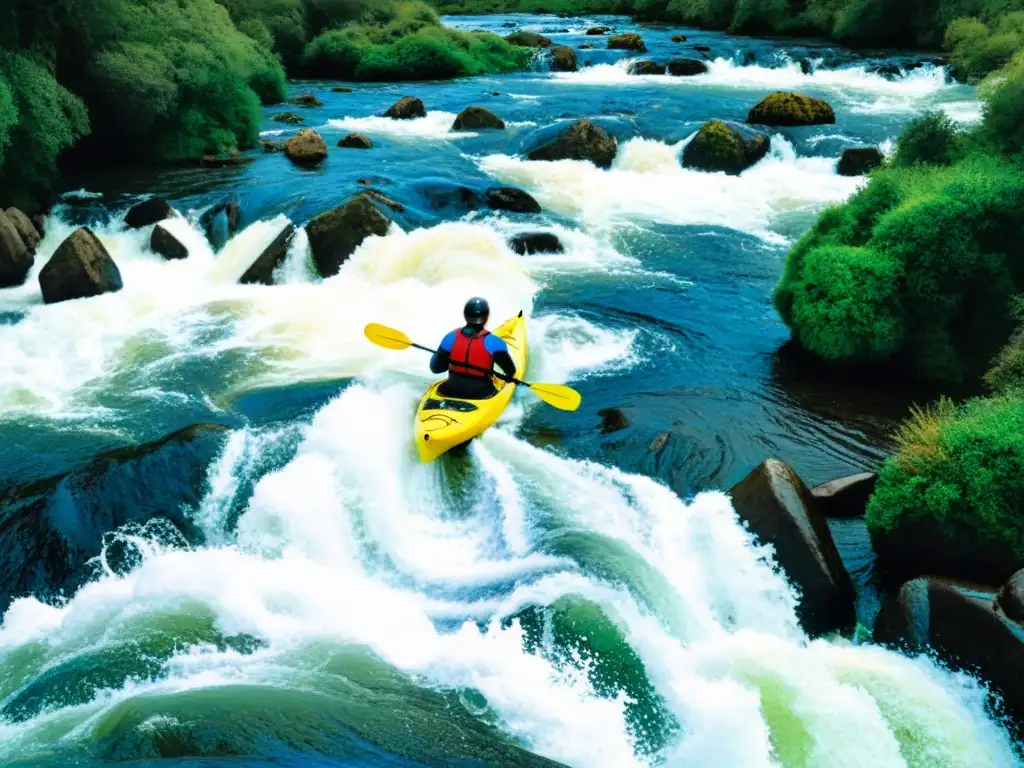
{"type": "Point", "coordinates": [477, 311]}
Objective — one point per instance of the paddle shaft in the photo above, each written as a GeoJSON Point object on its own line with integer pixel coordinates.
{"type": "Point", "coordinates": [502, 376]}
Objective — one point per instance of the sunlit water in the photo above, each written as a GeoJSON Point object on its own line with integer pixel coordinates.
{"type": "Point", "coordinates": [555, 592]}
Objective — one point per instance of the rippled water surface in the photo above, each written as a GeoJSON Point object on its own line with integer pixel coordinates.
{"type": "Point", "coordinates": [572, 587]}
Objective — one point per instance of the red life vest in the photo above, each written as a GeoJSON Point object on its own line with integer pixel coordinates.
{"type": "Point", "coordinates": [470, 348]}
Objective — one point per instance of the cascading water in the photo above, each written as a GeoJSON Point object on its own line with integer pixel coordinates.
{"type": "Point", "coordinates": [523, 601]}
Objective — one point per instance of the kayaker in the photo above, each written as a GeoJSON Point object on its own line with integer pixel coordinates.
{"type": "Point", "coordinates": [475, 346]}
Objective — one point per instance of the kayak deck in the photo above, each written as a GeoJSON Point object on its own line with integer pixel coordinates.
{"type": "Point", "coordinates": [443, 423]}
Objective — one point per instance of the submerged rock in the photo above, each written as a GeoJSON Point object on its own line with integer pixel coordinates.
{"type": "Point", "coordinates": [52, 528]}
{"type": "Point", "coordinates": [701, 48]}
{"type": "Point", "coordinates": [148, 212]}
{"type": "Point", "coordinates": [444, 195]}
{"type": "Point", "coordinates": [166, 244]}
{"type": "Point", "coordinates": [308, 148]}
{"type": "Point", "coordinates": [29, 234]}
{"type": "Point", "coordinates": [857, 161]}
{"type": "Point", "coordinates": [585, 46]}
{"type": "Point", "coordinates": [846, 497]}
{"type": "Point", "coordinates": [272, 146]}
{"type": "Point", "coordinates": [511, 199]}
{"type": "Point", "coordinates": [536, 242]}
{"type": "Point", "coordinates": [627, 41]}
{"type": "Point", "coordinates": [356, 141]}
{"type": "Point", "coordinates": [678, 38]}
{"type": "Point", "coordinates": [289, 118]}
{"type": "Point", "coordinates": [406, 108]}
{"type": "Point", "coordinates": [15, 257]}
{"type": "Point", "coordinates": [528, 39]}
{"type": "Point", "coordinates": [612, 420]}
{"type": "Point", "coordinates": [335, 235]}
{"type": "Point", "coordinates": [780, 510]}
{"type": "Point", "coordinates": [380, 197]}
{"type": "Point", "coordinates": [687, 67]}
{"type": "Point", "coordinates": [791, 109]}
{"type": "Point", "coordinates": [262, 270]}
{"type": "Point", "coordinates": [960, 622]}
{"type": "Point", "coordinates": [563, 59]}
{"type": "Point", "coordinates": [79, 268]}
{"type": "Point", "coordinates": [582, 140]}
{"type": "Point", "coordinates": [720, 147]}
{"type": "Point", "coordinates": [646, 68]}
{"type": "Point", "coordinates": [477, 118]}
{"type": "Point", "coordinates": [307, 100]}
{"type": "Point", "coordinates": [341, 89]}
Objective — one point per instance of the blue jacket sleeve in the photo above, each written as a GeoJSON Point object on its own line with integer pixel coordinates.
{"type": "Point", "coordinates": [439, 362]}
{"type": "Point", "coordinates": [499, 351]}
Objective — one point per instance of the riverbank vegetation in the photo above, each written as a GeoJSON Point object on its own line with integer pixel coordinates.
{"type": "Point", "coordinates": [139, 81]}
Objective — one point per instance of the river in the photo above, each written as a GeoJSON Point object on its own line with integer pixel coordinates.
{"type": "Point", "coordinates": [574, 587]}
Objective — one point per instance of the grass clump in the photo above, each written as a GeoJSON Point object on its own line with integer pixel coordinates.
{"type": "Point", "coordinates": [960, 467]}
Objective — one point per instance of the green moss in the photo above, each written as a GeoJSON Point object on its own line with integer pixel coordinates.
{"type": "Point", "coordinates": [782, 108]}
{"type": "Point", "coordinates": [963, 466]}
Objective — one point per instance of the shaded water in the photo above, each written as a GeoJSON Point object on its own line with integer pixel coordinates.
{"type": "Point", "coordinates": [540, 596]}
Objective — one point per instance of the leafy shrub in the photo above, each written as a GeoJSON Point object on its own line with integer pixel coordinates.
{"type": "Point", "coordinates": [1004, 112]}
{"type": "Point", "coordinates": [930, 139]}
{"type": "Point", "coordinates": [961, 467]}
{"type": "Point", "coordinates": [269, 84]}
{"type": "Point", "coordinates": [976, 51]}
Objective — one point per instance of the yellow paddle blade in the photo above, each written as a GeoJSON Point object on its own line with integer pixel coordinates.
{"type": "Point", "coordinates": [389, 338]}
{"type": "Point", "coordinates": [561, 397]}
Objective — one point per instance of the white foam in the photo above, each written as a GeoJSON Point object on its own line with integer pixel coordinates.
{"type": "Point", "coordinates": [648, 183]}
{"type": "Point", "coordinates": [436, 126]}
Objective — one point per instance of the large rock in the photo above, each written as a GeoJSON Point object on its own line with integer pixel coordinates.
{"type": "Point", "coordinates": [307, 100]}
{"type": "Point", "coordinates": [583, 140]}
{"type": "Point", "coordinates": [53, 527]}
{"type": "Point", "coordinates": [477, 118]}
{"type": "Point", "coordinates": [15, 257]}
{"type": "Point", "coordinates": [599, 30]}
{"type": "Point", "coordinates": [148, 212]}
{"type": "Point", "coordinates": [563, 59]}
{"type": "Point", "coordinates": [166, 244]}
{"type": "Point", "coordinates": [406, 108]}
{"type": "Point", "coordinates": [627, 41]}
{"type": "Point", "coordinates": [646, 68]}
{"type": "Point", "coordinates": [536, 242]}
{"type": "Point", "coordinates": [846, 497]}
{"type": "Point", "coordinates": [687, 67]}
{"type": "Point", "coordinates": [720, 147]}
{"type": "Point", "coordinates": [511, 199]}
{"type": "Point", "coordinates": [857, 161]}
{"type": "Point", "coordinates": [528, 39]}
{"type": "Point", "coordinates": [925, 547]}
{"type": "Point", "coordinates": [39, 222]}
{"type": "Point", "coordinates": [791, 109]}
{"type": "Point", "coordinates": [262, 270]}
{"type": "Point", "coordinates": [79, 268]}
{"type": "Point", "coordinates": [308, 148]}
{"type": "Point", "coordinates": [962, 625]}
{"type": "Point", "coordinates": [356, 141]}
{"type": "Point", "coordinates": [29, 234]}
{"type": "Point", "coordinates": [334, 236]}
{"type": "Point", "coordinates": [780, 510]}
{"type": "Point", "coordinates": [272, 146]}
{"type": "Point", "coordinates": [1011, 597]}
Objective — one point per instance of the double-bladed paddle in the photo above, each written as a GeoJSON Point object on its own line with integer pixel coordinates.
{"type": "Point", "coordinates": [557, 395]}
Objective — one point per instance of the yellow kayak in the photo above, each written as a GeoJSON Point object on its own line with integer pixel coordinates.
{"type": "Point", "coordinates": [445, 422]}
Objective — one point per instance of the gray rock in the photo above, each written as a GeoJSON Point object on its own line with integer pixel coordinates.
{"type": "Point", "coordinates": [406, 108]}
{"type": "Point", "coordinates": [262, 270]}
{"type": "Point", "coordinates": [511, 199]}
{"type": "Point", "coordinates": [846, 497]}
{"type": "Point", "coordinates": [79, 268]}
{"type": "Point", "coordinates": [166, 244]}
{"type": "Point", "coordinates": [335, 235]}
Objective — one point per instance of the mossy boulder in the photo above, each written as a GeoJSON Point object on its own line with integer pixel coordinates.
{"type": "Point", "coordinates": [785, 109]}
{"type": "Point", "coordinates": [582, 140]}
{"type": "Point", "coordinates": [288, 118]}
{"type": "Point", "coordinates": [335, 235]}
{"type": "Point", "coordinates": [355, 141]}
{"type": "Point", "coordinates": [563, 59]}
{"type": "Point", "coordinates": [627, 41]}
{"type": "Point", "coordinates": [599, 30]}
{"type": "Point", "coordinates": [307, 100]}
{"type": "Point", "coordinates": [687, 67]}
{"type": "Point", "coordinates": [477, 118]}
{"type": "Point", "coordinates": [406, 108]}
{"type": "Point", "coordinates": [308, 148]}
{"type": "Point", "coordinates": [528, 39]}
{"type": "Point", "coordinates": [646, 68]}
{"type": "Point", "coordinates": [721, 147]}
{"type": "Point", "coordinates": [858, 161]}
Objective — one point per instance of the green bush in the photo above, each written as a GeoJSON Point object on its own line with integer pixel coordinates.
{"type": "Point", "coordinates": [1004, 112]}
{"type": "Point", "coordinates": [930, 139]}
{"type": "Point", "coordinates": [977, 51]}
{"type": "Point", "coordinates": [269, 85]}
{"type": "Point", "coordinates": [38, 120]}
{"type": "Point", "coordinates": [960, 467]}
